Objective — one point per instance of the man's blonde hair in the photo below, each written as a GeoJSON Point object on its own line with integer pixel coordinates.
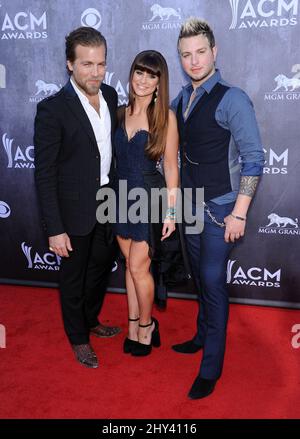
{"type": "Point", "coordinates": [194, 26]}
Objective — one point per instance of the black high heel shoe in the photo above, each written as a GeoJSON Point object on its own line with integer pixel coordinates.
{"type": "Point", "coordinates": [128, 343]}
{"type": "Point", "coordinates": [141, 349]}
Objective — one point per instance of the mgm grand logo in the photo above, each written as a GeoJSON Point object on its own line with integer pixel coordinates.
{"type": "Point", "coordinates": [287, 86]}
{"type": "Point", "coordinates": [162, 18]}
{"type": "Point", "coordinates": [43, 90]}
{"type": "Point", "coordinates": [281, 225]}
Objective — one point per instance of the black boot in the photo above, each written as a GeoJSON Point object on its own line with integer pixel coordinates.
{"type": "Point", "coordinates": [188, 347]}
{"type": "Point", "coordinates": [201, 388]}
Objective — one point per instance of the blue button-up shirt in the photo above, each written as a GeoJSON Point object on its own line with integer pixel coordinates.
{"type": "Point", "coordinates": [235, 113]}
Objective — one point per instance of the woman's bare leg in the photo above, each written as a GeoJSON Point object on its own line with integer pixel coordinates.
{"type": "Point", "coordinates": [139, 266]}
{"type": "Point", "coordinates": [132, 301]}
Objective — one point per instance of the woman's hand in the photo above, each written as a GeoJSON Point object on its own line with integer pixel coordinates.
{"type": "Point", "coordinates": [168, 228]}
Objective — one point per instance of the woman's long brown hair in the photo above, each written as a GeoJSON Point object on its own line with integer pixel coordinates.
{"type": "Point", "coordinates": [154, 63]}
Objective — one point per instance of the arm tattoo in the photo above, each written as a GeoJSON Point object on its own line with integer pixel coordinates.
{"type": "Point", "coordinates": [248, 185]}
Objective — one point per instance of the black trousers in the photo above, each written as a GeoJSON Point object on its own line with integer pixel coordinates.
{"type": "Point", "coordinates": [83, 281]}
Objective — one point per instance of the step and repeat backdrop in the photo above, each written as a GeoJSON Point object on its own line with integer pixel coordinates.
{"type": "Point", "coordinates": [259, 51]}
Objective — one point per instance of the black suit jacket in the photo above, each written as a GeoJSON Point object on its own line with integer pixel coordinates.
{"type": "Point", "coordinates": [67, 161]}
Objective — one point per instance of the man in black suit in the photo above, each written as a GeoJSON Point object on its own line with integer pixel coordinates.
{"type": "Point", "coordinates": [73, 159]}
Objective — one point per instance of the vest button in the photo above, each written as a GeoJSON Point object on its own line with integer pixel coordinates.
{"type": "Point", "coordinates": [97, 156]}
{"type": "Point", "coordinates": [97, 178]}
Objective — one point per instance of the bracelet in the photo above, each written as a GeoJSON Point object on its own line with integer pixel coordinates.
{"type": "Point", "coordinates": [171, 213]}
{"type": "Point", "coordinates": [238, 217]}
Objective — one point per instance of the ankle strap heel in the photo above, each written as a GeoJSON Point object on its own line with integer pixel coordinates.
{"type": "Point", "coordinates": [155, 334]}
{"type": "Point", "coordinates": [133, 320]}
{"type": "Point", "coordinates": [141, 349]}
{"type": "Point", "coordinates": [155, 338]}
{"type": "Point", "coordinates": [146, 326]}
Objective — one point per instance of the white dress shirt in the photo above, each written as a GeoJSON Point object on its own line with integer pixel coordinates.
{"type": "Point", "coordinates": [101, 124]}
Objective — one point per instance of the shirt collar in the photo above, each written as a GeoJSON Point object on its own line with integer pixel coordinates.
{"type": "Point", "coordinates": [81, 95]}
{"type": "Point", "coordinates": [208, 85]}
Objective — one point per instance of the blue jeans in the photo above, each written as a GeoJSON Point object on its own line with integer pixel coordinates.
{"type": "Point", "coordinates": [208, 253]}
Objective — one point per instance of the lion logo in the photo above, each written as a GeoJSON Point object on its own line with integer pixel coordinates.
{"type": "Point", "coordinates": [285, 82]}
{"type": "Point", "coordinates": [47, 89]}
{"type": "Point", "coordinates": [164, 13]}
{"type": "Point", "coordinates": [282, 221]}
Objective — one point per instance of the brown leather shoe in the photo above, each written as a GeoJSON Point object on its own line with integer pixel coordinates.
{"type": "Point", "coordinates": [85, 354]}
{"type": "Point", "coordinates": [105, 331]}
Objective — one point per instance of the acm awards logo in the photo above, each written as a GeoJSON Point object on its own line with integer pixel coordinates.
{"type": "Point", "coordinates": [48, 261]}
{"type": "Point", "coordinates": [280, 225]}
{"type": "Point", "coordinates": [253, 277]}
{"type": "Point", "coordinates": [24, 25]}
{"type": "Point", "coordinates": [19, 157]}
{"type": "Point", "coordinates": [276, 163]}
{"type": "Point", "coordinates": [40, 261]}
{"type": "Point", "coordinates": [5, 210]}
{"type": "Point", "coordinates": [43, 90]}
{"type": "Point", "coordinates": [248, 14]}
{"type": "Point", "coordinates": [162, 18]}
{"type": "Point", "coordinates": [287, 86]}
{"type": "Point", "coordinates": [121, 89]}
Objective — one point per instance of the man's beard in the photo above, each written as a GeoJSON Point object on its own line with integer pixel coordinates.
{"type": "Point", "coordinates": [203, 77]}
{"type": "Point", "coordinates": [91, 89]}
{"type": "Point", "coordinates": [196, 79]}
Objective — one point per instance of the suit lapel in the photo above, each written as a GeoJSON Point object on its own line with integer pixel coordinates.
{"type": "Point", "coordinates": [111, 108]}
{"type": "Point", "coordinates": [111, 103]}
{"type": "Point", "coordinates": [112, 112]}
{"type": "Point", "coordinates": [77, 109]}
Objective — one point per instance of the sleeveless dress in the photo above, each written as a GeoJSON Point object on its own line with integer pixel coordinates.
{"type": "Point", "coordinates": [135, 167]}
{"type": "Point", "coordinates": [170, 265]}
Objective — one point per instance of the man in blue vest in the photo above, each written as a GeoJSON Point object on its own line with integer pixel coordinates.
{"type": "Point", "coordinates": [221, 152]}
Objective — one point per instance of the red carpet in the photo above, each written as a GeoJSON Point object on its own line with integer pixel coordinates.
{"type": "Point", "coordinates": [41, 379]}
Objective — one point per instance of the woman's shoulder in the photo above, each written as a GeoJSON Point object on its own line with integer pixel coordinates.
{"type": "Point", "coordinates": [172, 115]}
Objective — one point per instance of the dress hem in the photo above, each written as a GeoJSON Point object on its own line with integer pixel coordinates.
{"type": "Point", "coordinates": [133, 239]}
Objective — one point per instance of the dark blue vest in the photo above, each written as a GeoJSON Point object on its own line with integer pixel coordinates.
{"type": "Point", "coordinates": [204, 146]}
